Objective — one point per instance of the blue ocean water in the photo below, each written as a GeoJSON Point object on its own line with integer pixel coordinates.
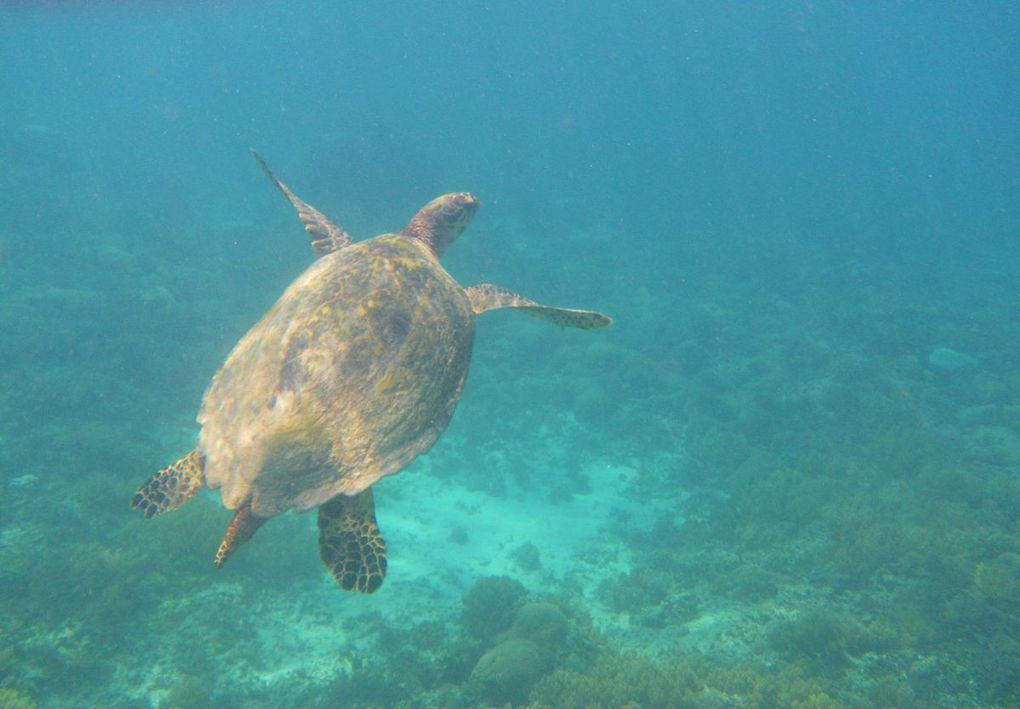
{"type": "Point", "coordinates": [788, 474]}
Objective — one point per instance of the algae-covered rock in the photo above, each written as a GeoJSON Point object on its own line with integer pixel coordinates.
{"type": "Point", "coordinates": [994, 445]}
{"type": "Point", "coordinates": [508, 671]}
{"type": "Point", "coordinates": [827, 639]}
{"type": "Point", "coordinates": [998, 580]}
{"type": "Point", "coordinates": [13, 699]}
{"type": "Point", "coordinates": [543, 623]}
{"type": "Point", "coordinates": [527, 557]}
{"type": "Point", "coordinates": [490, 606]}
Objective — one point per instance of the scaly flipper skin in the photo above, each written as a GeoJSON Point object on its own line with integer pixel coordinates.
{"type": "Point", "coordinates": [487, 296]}
{"type": "Point", "coordinates": [327, 237]}
{"type": "Point", "coordinates": [171, 487]}
{"type": "Point", "coordinates": [241, 529]}
{"type": "Point", "coordinates": [350, 544]}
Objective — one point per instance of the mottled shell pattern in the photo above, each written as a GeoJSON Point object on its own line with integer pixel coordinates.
{"type": "Point", "coordinates": [354, 372]}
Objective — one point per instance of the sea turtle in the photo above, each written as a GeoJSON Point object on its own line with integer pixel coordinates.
{"type": "Point", "coordinates": [350, 375]}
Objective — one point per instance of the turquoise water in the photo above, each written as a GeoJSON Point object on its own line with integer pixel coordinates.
{"type": "Point", "coordinates": [788, 475]}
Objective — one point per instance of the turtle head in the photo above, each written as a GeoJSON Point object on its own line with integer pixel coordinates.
{"type": "Point", "coordinates": [441, 221]}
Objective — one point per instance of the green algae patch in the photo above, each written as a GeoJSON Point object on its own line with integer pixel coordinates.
{"type": "Point", "coordinates": [13, 699]}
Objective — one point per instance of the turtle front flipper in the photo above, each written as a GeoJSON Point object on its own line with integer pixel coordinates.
{"type": "Point", "coordinates": [350, 544]}
{"type": "Point", "coordinates": [171, 487]}
{"type": "Point", "coordinates": [486, 296]}
{"type": "Point", "coordinates": [327, 237]}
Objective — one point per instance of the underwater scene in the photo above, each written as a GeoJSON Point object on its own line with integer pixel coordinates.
{"type": "Point", "coordinates": [786, 475]}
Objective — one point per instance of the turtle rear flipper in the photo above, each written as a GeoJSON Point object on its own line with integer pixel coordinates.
{"type": "Point", "coordinates": [486, 296]}
{"type": "Point", "coordinates": [350, 544]}
{"type": "Point", "coordinates": [171, 487]}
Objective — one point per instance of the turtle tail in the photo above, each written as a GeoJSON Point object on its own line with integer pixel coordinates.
{"type": "Point", "coordinates": [241, 529]}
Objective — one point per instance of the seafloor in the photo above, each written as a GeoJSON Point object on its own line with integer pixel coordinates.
{"type": "Point", "coordinates": [775, 482]}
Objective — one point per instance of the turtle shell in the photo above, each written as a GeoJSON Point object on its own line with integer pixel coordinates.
{"type": "Point", "coordinates": [354, 372]}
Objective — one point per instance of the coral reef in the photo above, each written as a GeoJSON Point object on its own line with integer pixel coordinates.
{"type": "Point", "coordinates": [768, 489]}
{"type": "Point", "coordinates": [508, 670]}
